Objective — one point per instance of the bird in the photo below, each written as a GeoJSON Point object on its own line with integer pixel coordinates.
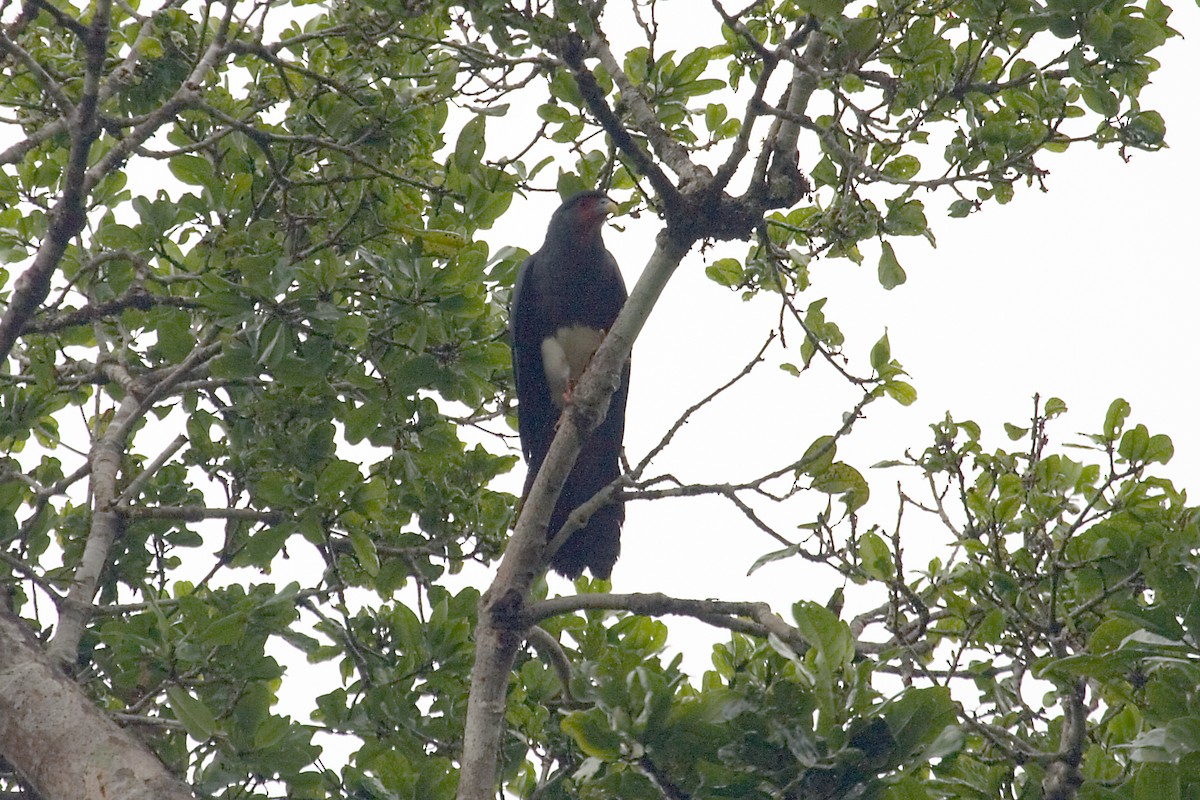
{"type": "Point", "coordinates": [566, 297]}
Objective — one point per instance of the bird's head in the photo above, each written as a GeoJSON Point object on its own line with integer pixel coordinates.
{"type": "Point", "coordinates": [582, 216]}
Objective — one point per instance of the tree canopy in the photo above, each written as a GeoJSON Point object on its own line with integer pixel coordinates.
{"type": "Point", "coordinates": [255, 396]}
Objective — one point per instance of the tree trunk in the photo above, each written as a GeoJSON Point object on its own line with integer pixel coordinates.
{"type": "Point", "coordinates": [59, 741]}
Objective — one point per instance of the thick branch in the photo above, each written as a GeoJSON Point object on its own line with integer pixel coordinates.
{"type": "Point", "coordinates": [200, 513]}
{"type": "Point", "coordinates": [59, 741]}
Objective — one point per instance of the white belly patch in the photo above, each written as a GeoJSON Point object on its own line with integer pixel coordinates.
{"type": "Point", "coordinates": [564, 356]}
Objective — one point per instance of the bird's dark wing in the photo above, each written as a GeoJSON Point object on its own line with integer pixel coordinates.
{"type": "Point", "coordinates": [537, 415]}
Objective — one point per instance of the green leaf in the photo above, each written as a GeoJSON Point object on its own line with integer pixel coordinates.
{"type": "Point", "coordinates": [417, 373]}
{"type": "Point", "coordinates": [175, 338]}
{"type": "Point", "coordinates": [1145, 129]}
{"type": "Point", "coordinates": [823, 9]}
{"type": "Point", "coordinates": [842, 479]}
{"type": "Point", "coordinates": [906, 218]}
{"type": "Point", "coordinates": [828, 634]}
{"type": "Point", "coordinates": [725, 271]}
{"type": "Point", "coordinates": [903, 393]}
{"type": "Point", "coordinates": [714, 115]}
{"type": "Point", "coordinates": [961, 207]}
{"type": "Point", "coordinates": [294, 371]}
{"type": "Point", "coordinates": [235, 361]}
{"type": "Point", "coordinates": [1054, 406]}
{"type": "Point", "coordinates": [691, 66]}
{"type": "Point", "coordinates": [906, 787]}
{"type": "Point", "coordinates": [193, 170]}
{"type": "Point", "coordinates": [875, 557]}
{"type": "Point", "coordinates": [881, 353]}
{"type": "Point", "coordinates": [468, 151]}
{"type": "Point", "coordinates": [1135, 444]}
{"type": "Point", "coordinates": [553, 112]}
{"type": "Point", "coordinates": [917, 719]}
{"type": "Point", "coordinates": [362, 421]}
{"type": "Point", "coordinates": [891, 274]}
{"type": "Point", "coordinates": [117, 237]}
{"type": "Point", "coordinates": [902, 167]}
{"type": "Point", "coordinates": [1101, 99]}
{"type": "Point", "coordinates": [1110, 634]}
{"type": "Point", "coordinates": [195, 716]}
{"type": "Point", "coordinates": [337, 477]}
{"type": "Point", "coordinates": [1114, 420]}
{"type": "Point", "coordinates": [364, 550]}
{"type": "Point", "coordinates": [825, 173]}
{"type": "Point", "coordinates": [1015, 432]}
{"type": "Point", "coordinates": [637, 64]}
{"type": "Point", "coordinates": [1157, 781]}
{"type": "Point", "coordinates": [819, 455]}
{"type": "Point", "coordinates": [591, 731]}
{"type": "Point", "coordinates": [1160, 449]}
{"type": "Point", "coordinates": [227, 630]}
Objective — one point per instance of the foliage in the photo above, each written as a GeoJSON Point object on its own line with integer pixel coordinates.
{"type": "Point", "coordinates": [1062, 612]}
{"type": "Point", "coordinates": [254, 337]}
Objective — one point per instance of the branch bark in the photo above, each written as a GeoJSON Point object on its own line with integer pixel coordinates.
{"type": "Point", "coordinates": [107, 518]}
{"type": "Point", "coordinates": [44, 716]}
{"type": "Point", "coordinates": [756, 619]}
{"type": "Point", "coordinates": [695, 208]}
{"type": "Point", "coordinates": [503, 611]}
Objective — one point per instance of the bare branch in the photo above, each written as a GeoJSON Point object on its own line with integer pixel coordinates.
{"type": "Point", "coordinates": [551, 652]}
{"type": "Point", "coordinates": [671, 151]}
{"type": "Point", "coordinates": [686, 415]}
{"type": "Point", "coordinates": [108, 520]}
{"type": "Point", "coordinates": [644, 118]}
{"type": "Point", "coordinates": [754, 618]}
{"type": "Point", "coordinates": [137, 484]}
{"type": "Point", "coordinates": [135, 297]}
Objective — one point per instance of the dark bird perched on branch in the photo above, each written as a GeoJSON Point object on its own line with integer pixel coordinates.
{"type": "Point", "coordinates": [567, 295]}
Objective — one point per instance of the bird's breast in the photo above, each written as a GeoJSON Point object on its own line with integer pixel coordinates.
{"type": "Point", "coordinates": [565, 354]}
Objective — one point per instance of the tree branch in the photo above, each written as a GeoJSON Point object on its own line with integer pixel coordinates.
{"type": "Point", "coordinates": [68, 216]}
{"type": "Point", "coordinates": [672, 153]}
{"type": "Point", "coordinates": [687, 415]}
{"type": "Point", "coordinates": [503, 618]}
{"type": "Point", "coordinates": [552, 653]}
{"type": "Point", "coordinates": [59, 741]}
{"type": "Point", "coordinates": [756, 619]}
{"type": "Point", "coordinates": [107, 519]}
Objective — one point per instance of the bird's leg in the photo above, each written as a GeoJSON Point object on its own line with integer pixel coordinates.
{"type": "Point", "coordinates": [571, 350]}
{"type": "Point", "coordinates": [569, 393]}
